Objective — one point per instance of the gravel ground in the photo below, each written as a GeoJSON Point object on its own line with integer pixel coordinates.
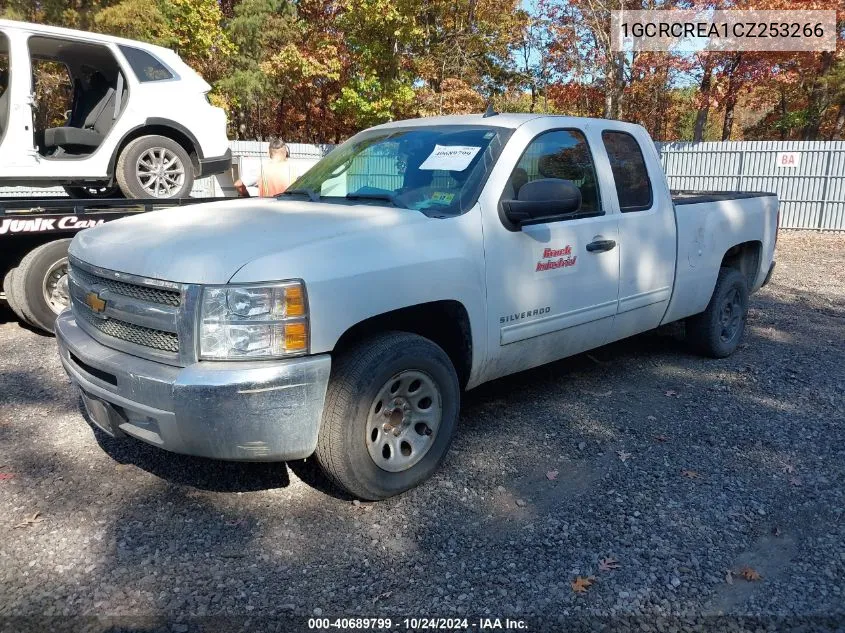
{"type": "Point", "coordinates": [680, 468]}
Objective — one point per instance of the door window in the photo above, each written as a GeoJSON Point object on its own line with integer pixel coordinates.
{"type": "Point", "coordinates": [633, 186]}
{"type": "Point", "coordinates": [558, 154]}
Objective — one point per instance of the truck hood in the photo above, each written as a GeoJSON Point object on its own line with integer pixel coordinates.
{"type": "Point", "coordinates": [209, 243]}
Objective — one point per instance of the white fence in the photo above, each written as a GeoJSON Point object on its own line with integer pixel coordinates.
{"type": "Point", "coordinates": [809, 177]}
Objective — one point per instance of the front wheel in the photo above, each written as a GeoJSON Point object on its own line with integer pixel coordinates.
{"type": "Point", "coordinates": [154, 166]}
{"type": "Point", "coordinates": [390, 414]}
{"type": "Point", "coordinates": [716, 332]}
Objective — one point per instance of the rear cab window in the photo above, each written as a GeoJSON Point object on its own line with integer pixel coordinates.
{"type": "Point", "coordinates": [145, 66]}
{"type": "Point", "coordinates": [630, 175]}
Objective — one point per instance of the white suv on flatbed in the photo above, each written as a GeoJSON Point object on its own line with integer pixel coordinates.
{"type": "Point", "coordinates": [418, 259]}
{"type": "Point", "coordinates": [138, 120]}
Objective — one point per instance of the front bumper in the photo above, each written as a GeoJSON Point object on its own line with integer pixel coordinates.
{"type": "Point", "coordinates": [215, 165]}
{"type": "Point", "coordinates": [244, 411]}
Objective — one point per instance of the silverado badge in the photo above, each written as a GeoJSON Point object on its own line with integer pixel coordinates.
{"type": "Point", "coordinates": [93, 301]}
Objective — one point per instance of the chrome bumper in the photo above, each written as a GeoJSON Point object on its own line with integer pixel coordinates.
{"type": "Point", "coordinates": [246, 411]}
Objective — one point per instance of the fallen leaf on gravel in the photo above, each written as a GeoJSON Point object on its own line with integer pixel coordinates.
{"type": "Point", "coordinates": [552, 475]}
{"type": "Point", "coordinates": [30, 520]}
{"type": "Point", "coordinates": [651, 418]}
{"type": "Point", "coordinates": [749, 573]}
{"type": "Point", "coordinates": [670, 393]}
{"type": "Point", "coordinates": [623, 456]}
{"type": "Point", "coordinates": [383, 596]}
{"type": "Point", "coordinates": [661, 438]}
{"type": "Point", "coordinates": [789, 469]}
{"type": "Point", "coordinates": [729, 577]}
{"type": "Point", "coordinates": [520, 503]}
{"type": "Point", "coordinates": [776, 531]}
{"type": "Point", "coordinates": [608, 564]}
{"type": "Point", "coordinates": [795, 481]}
{"type": "Point", "coordinates": [581, 584]}
{"type": "Point", "coordinates": [6, 476]}
{"type": "Point", "coordinates": [690, 474]}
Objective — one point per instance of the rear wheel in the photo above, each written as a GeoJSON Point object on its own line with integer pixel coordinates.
{"type": "Point", "coordinates": [154, 167]}
{"type": "Point", "coordinates": [391, 410]}
{"type": "Point", "coordinates": [717, 331]}
{"type": "Point", "coordinates": [38, 287]}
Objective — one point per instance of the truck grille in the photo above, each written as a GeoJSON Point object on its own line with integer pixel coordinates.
{"type": "Point", "coordinates": [144, 293]}
{"type": "Point", "coordinates": [131, 333]}
{"type": "Point", "coordinates": [127, 309]}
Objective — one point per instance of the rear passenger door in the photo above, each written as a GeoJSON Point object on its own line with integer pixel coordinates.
{"type": "Point", "coordinates": [646, 231]}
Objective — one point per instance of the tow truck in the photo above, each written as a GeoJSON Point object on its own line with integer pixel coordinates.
{"type": "Point", "coordinates": [34, 237]}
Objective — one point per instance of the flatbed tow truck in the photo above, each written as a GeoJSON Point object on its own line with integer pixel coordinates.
{"type": "Point", "coordinates": [34, 237]}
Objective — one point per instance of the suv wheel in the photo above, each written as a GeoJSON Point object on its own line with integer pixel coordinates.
{"type": "Point", "coordinates": [391, 410]}
{"type": "Point", "coordinates": [154, 167]}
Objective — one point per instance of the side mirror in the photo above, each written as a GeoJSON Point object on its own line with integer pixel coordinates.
{"type": "Point", "coordinates": [542, 200]}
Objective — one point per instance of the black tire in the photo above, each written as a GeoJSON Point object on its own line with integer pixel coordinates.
{"type": "Point", "coordinates": [28, 282]}
{"type": "Point", "coordinates": [7, 288]}
{"type": "Point", "coordinates": [93, 192]}
{"type": "Point", "coordinates": [358, 377]}
{"type": "Point", "coordinates": [127, 166]}
{"type": "Point", "coordinates": [709, 333]}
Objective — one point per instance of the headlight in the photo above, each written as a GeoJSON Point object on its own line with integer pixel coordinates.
{"type": "Point", "coordinates": [253, 322]}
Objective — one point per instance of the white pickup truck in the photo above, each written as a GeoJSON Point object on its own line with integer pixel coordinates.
{"type": "Point", "coordinates": [418, 259]}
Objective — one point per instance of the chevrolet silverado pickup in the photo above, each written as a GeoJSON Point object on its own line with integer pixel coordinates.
{"type": "Point", "coordinates": [420, 258]}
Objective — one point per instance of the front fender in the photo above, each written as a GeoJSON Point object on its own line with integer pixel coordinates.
{"type": "Point", "coordinates": [352, 277]}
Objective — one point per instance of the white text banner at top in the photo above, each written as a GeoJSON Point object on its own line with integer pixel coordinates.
{"type": "Point", "coordinates": [695, 31]}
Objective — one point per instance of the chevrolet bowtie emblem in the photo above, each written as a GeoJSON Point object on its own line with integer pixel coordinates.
{"type": "Point", "coordinates": [93, 301]}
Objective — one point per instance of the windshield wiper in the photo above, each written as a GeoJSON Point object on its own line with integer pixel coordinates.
{"type": "Point", "coordinates": [363, 195]}
{"type": "Point", "coordinates": [313, 196]}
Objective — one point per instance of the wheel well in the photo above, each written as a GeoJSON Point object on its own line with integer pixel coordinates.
{"type": "Point", "coordinates": [745, 258]}
{"type": "Point", "coordinates": [161, 130]}
{"type": "Point", "coordinates": [444, 322]}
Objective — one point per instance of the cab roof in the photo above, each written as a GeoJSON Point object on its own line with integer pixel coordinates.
{"type": "Point", "coordinates": [58, 31]}
{"type": "Point", "coordinates": [503, 120]}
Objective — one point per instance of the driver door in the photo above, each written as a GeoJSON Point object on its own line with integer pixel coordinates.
{"type": "Point", "coordinates": [553, 286]}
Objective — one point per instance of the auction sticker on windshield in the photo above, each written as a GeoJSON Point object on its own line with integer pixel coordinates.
{"type": "Point", "coordinates": [450, 157]}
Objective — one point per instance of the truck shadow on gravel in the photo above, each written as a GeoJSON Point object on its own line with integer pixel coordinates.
{"type": "Point", "coordinates": [195, 472]}
{"type": "Point", "coordinates": [208, 474]}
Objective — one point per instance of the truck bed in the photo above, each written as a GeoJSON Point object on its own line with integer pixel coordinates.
{"type": "Point", "coordinates": [680, 197]}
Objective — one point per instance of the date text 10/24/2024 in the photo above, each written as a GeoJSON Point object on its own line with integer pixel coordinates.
{"type": "Point", "coordinates": [418, 624]}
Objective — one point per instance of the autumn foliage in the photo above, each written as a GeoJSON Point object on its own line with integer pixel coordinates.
{"type": "Point", "coordinates": [319, 71]}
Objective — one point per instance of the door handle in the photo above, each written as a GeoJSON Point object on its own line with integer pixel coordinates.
{"type": "Point", "coordinates": [601, 245]}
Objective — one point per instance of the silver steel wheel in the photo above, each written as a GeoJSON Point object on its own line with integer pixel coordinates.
{"type": "Point", "coordinates": [730, 315]}
{"type": "Point", "coordinates": [55, 286]}
{"type": "Point", "coordinates": [160, 172]}
{"type": "Point", "coordinates": [404, 420]}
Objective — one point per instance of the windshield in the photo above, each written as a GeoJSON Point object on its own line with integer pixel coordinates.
{"type": "Point", "coordinates": [437, 169]}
